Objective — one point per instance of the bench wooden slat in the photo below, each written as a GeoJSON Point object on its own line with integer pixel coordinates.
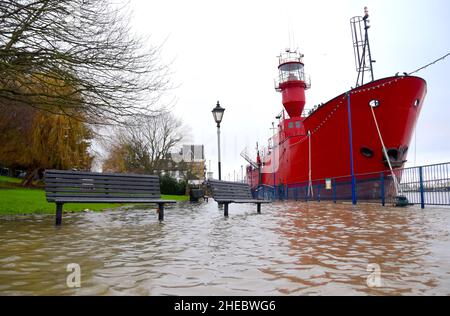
{"type": "Point", "coordinates": [101, 184]}
{"type": "Point", "coordinates": [101, 190]}
{"type": "Point", "coordinates": [87, 188]}
{"type": "Point", "coordinates": [238, 201]}
{"type": "Point", "coordinates": [69, 173]}
{"type": "Point", "coordinates": [72, 188]}
{"type": "Point", "coordinates": [229, 185]}
{"type": "Point", "coordinates": [121, 201]}
{"type": "Point", "coordinates": [62, 182]}
{"type": "Point", "coordinates": [112, 196]}
{"type": "Point", "coordinates": [102, 181]}
{"type": "Point", "coordinates": [232, 195]}
{"type": "Point", "coordinates": [230, 188]}
{"type": "Point", "coordinates": [233, 191]}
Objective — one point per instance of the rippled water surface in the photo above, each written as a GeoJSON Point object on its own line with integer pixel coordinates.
{"type": "Point", "coordinates": [290, 249]}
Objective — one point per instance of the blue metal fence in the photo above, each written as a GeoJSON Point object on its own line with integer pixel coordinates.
{"type": "Point", "coordinates": [425, 185]}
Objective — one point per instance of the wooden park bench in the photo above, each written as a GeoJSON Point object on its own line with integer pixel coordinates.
{"type": "Point", "coordinates": [225, 193]}
{"type": "Point", "coordinates": [91, 187]}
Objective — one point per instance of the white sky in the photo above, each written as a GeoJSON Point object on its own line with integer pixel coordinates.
{"type": "Point", "coordinates": [226, 51]}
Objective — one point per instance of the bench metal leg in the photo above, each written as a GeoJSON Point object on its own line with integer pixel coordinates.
{"type": "Point", "coordinates": [59, 210]}
{"type": "Point", "coordinates": [225, 210]}
{"type": "Point", "coordinates": [161, 211]}
{"type": "Point", "coordinates": [258, 208]}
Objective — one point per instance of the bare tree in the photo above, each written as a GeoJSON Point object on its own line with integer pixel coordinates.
{"type": "Point", "coordinates": [69, 56]}
{"type": "Point", "coordinates": [144, 143]}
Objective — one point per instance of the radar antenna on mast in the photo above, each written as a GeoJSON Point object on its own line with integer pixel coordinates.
{"type": "Point", "coordinates": [363, 57]}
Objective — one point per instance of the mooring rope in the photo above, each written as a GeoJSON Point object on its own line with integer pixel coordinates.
{"type": "Point", "coordinates": [310, 186]}
{"type": "Point", "coordinates": [385, 153]}
{"type": "Point", "coordinates": [428, 65]}
{"type": "Point", "coordinates": [415, 145]}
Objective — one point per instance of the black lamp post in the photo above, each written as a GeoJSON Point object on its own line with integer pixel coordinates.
{"type": "Point", "coordinates": [218, 115]}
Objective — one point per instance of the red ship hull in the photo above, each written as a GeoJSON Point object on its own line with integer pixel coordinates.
{"type": "Point", "coordinates": [326, 153]}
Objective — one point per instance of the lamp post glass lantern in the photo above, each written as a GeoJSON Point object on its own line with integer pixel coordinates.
{"type": "Point", "coordinates": [218, 115]}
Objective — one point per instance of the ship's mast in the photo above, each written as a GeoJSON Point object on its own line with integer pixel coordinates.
{"type": "Point", "coordinates": [361, 45]}
{"type": "Point", "coordinates": [366, 28]}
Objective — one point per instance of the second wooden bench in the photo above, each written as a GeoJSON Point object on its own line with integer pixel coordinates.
{"type": "Point", "coordinates": [225, 193]}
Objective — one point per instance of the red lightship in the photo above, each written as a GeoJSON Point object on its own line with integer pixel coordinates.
{"type": "Point", "coordinates": [315, 145]}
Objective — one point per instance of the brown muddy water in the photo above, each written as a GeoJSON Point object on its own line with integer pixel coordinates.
{"type": "Point", "coordinates": [290, 249]}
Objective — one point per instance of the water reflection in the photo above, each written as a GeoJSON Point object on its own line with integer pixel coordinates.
{"type": "Point", "coordinates": [331, 246]}
{"type": "Point", "coordinates": [290, 249]}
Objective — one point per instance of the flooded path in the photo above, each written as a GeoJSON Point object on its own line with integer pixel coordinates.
{"type": "Point", "coordinates": [290, 249]}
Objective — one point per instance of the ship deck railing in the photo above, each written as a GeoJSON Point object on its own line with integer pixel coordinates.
{"type": "Point", "coordinates": [423, 185]}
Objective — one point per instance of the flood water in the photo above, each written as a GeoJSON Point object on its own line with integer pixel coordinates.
{"type": "Point", "coordinates": [290, 249]}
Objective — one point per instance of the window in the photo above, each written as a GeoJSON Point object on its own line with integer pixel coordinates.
{"type": "Point", "coordinates": [374, 103]}
{"type": "Point", "coordinates": [298, 124]}
{"type": "Point", "coordinates": [292, 71]}
{"type": "Point", "coordinates": [291, 125]}
{"type": "Point", "coordinates": [367, 152]}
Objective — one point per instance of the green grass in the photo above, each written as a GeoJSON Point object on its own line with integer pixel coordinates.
{"type": "Point", "coordinates": [15, 200]}
{"type": "Point", "coordinates": [175, 197]}
{"type": "Point", "coordinates": [10, 180]}
{"type": "Point", "coordinates": [32, 201]}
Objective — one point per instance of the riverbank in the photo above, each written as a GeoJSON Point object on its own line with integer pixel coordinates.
{"type": "Point", "coordinates": [15, 200]}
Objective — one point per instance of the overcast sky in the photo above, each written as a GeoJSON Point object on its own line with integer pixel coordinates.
{"type": "Point", "coordinates": [226, 51]}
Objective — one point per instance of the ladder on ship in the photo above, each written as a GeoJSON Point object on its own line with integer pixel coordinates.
{"type": "Point", "coordinates": [246, 156]}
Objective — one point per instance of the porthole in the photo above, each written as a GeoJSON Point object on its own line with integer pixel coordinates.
{"type": "Point", "coordinates": [366, 152]}
{"type": "Point", "coordinates": [374, 103]}
{"type": "Point", "coordinates": [417, 102]}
